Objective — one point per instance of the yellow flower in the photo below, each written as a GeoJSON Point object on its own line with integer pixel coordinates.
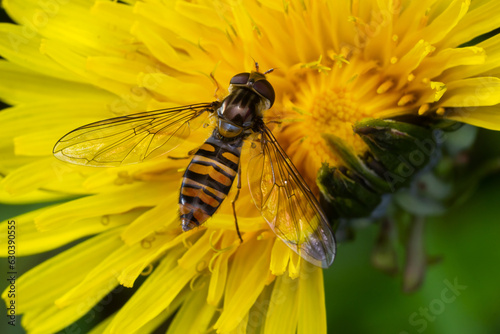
{"type": "Point", "coordinates": [69, 63]}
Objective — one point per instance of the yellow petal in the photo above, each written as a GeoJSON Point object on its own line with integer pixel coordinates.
{"type": "Point", "coordinates": [294, 265]}
{"type": "Point", "coordinates": [70, 22]}
{"type": "Point", "coordinates": [199, 13]}
{"type": "Point", "coordinates": [244, 283]}
{"type": "Point", "coordinates": [47, 319]}
{"type": "Point", "coordinates": [194, 256]}
{"type": "Point", "coordinates": [123, 199]}
{"type": "Point", "coordinates": [377, 46]}
{"type": "Point", "coordinates": [472, 92]}
{"type": "Point", "coordinates": [43, 116]}
{"type": "Point", "coordinates": [195, 314]}
{"type": "Point", "coordinates": [165, 15]}
{"type": "Point", "coordinates": [117, 15]}
{"type": "Point", "coordinates": [41, 174]}
{"type": "Point", "coordinates": [38, 196]}
{"type": "Point", "coordinates": [226, 222]}
{"type": "Point", "coordinates": [100, 327]}
{"type": "Point", "coordinates": [445, 21]}
{"type": "Point", "coordinates": [163, 216]}
{"type": "Point", "coordinates": [283, 305]}
{"type": "Point", "coordinates": [136, 99]}
{"type": "Point", "coordinates": [279, 257]}
{"type": "Point", "coordinates": [154, 38]}
{"type": "Point", "coordinates": [311, 312]}
{"type": "Point", "coordinates": [410, 61]}
{"type": "Point", "coordinates": [161, 244]}
{"type": "Point", "coordinates": [111, 268]}
{"type": "Point", "coordinates": [41, 285]}
{"type": "Point", "coordinates": [161, 318]}
{"type": "Point", "coordinates": [491, 48]}
{"type": "Point", "coordinates": [485, 117]}
{"type": "Point", "coordinates": [122, 70]}
{"type": "Point", "coordinates": [18, 85]}
{"type": "Point", "coordinates": [30, 177]}
{"type": "Point", "coordinates": [176, 90]}
{"type": "Point", "coordinates": [21, 45]}
{"type": "Point", "coordinates": [34, 241]}
{"type": "Point", "coordinates": [154, 295]}
{"type": "Point", "coordinates": [450, 58]}
{"type": "Point", "coordinates": [476, 22]}
{"type": "Point", "coordinates": [219, 267]}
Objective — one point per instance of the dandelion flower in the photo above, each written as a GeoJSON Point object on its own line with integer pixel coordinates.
{"type": "Point", "coordinates": [69, 63]}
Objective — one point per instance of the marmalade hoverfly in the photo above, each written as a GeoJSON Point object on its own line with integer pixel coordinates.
{"type": "Point", "coordinates": [277, 189]}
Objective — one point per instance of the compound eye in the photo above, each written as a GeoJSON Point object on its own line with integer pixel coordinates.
{"type": "Point", "coordinates": [264, 88]}
{"type": "Point", "coordinates": [240, 79]}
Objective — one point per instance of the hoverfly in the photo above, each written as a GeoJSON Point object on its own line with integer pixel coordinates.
{"type": "Point", "coordinates": [277, 189]}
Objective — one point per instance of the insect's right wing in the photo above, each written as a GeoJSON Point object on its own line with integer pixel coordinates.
{"type": "Point", "coordinates": [132, 138]}
{"type": "Point", "coordinates": [286, 202]}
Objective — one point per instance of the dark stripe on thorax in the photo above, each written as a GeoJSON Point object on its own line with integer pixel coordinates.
{"type": "Point", "coordinates": [243, 98]}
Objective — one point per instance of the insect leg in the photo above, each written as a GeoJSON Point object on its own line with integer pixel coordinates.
{"type": "Point", "coordinates": [238, 186]}
{"type": "Point", "coordinates": [216, 84]}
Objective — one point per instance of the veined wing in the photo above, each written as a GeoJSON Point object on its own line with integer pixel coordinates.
{"type": "Point", "coordinates": [132, 138]}
{"type": "Point", "coordinates": [287, 204]}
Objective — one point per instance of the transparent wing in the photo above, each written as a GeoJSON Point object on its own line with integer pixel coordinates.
{"type": "Point", "coordinates": [132, 138]}
{"type": "Point", "coordinates": [287, 204]}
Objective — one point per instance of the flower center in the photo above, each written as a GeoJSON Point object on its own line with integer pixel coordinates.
{"type": "Point", "coordinates": [331, 110]}
{"type": "Point", "coordinates": [328, 108]}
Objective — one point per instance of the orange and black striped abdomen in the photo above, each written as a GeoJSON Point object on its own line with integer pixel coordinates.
{"type": "Point", "coordinates": [208, 179]}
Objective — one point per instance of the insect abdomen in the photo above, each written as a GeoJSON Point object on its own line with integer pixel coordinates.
{"type": "Point", "coordinates": [207, 180]}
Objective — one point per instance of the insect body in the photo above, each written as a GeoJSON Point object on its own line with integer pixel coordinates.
{"type": "Point", "coordinates": [208, 179]}
{"type": "Point", "coordinates": [211, 173]}
{"type": "Point", "coordinates": [277, 189]}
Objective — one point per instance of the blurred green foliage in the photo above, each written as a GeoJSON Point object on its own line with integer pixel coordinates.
{"type": "Point", "coordinates": [361, 299]}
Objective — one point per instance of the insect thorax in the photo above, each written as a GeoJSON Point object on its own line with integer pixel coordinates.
{"type": "Point", "coordinates": [239, 111]}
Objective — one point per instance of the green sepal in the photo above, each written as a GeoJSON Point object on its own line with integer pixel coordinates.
{"type": "Point", "coordinates": [356, 165]}
{"type": "Point", "coordinates": [402, 149]}
{"type": "Point", "coordinates": [348, 197]}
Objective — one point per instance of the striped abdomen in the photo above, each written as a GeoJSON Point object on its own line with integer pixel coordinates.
{"type": "Point", "coordinates": [208, 179]}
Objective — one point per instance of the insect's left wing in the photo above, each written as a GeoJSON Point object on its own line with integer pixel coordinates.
{"type": "Point", "coordinates": [132, 138]}
{"type": "Point", "coordinates": [287, 204]}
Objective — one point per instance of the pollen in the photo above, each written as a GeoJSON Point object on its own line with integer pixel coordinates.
{"type": "Point", "coordinates": [330, 110]}
{"type": "Point", "coordinates": [333, 106]}
{"type": "Point", "coordinates": [406, 100]}
{"type": "Point", "coordinates": [385, 86]}
{"type": "Point", "coordinates": [423, 109]}
{"type": "Point", "coordinates": [440, 111]}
